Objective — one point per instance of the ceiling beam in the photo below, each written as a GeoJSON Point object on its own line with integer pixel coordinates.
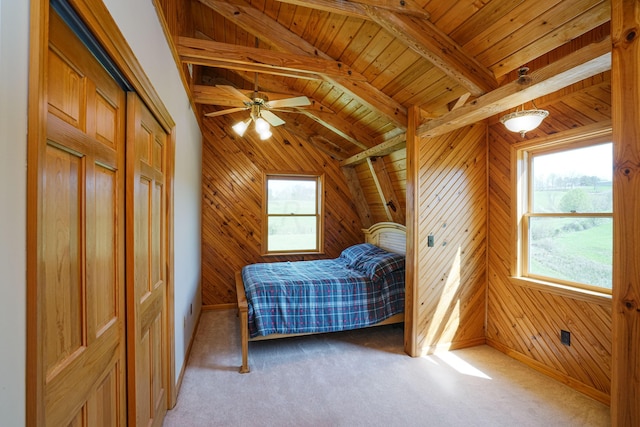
{"type": "Point", "coordinates": [387, 194]}
{"type": "Point", "coordinates": [394, 144]}
{"type": "Point", "coordinates": [420, 35]}
{"type": "Point", "coordinates": [579, 65]}
{"type": "Point", "coordinates": [236, 57]}
{"type": "Point", "coordinates": [442, 51]}
{"type": "Point", "coordinates": [355, 8]}
{"type": "Point", "coordinates": [318, 141]}
{"type": "Point", "coordinates": [262, 26]}
{"type": "Point", "coordinates": [357, 194]}
{"type": "Point", "coordinates": [323, 115]}
{"type": "Point", "coordinates": [317, 112]}
{"type": "Point", "coordinates": [337, 126]}
{"type": "Point", "coordinates": [347, 8]}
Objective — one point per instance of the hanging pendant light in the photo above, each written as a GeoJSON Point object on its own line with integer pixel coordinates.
{"type": "Point", "coordinates": [523, 121]}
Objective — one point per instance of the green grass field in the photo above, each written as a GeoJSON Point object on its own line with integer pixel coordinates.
{"type": "Point", "coordinates": [576, 249]}
{"type": "Point", "coordinates": [579, 256]}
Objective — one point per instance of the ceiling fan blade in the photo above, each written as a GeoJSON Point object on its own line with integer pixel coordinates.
{"type": "Point", "coordinates": [234, 93]}
{"type": "Point", "coordinates": [294, 110]}
{"type": "Point", "coordinates": [227, 111]}
{"type": "Point", "coordinates": [289, 102]}
{"type": "Point", "coordinates": [271, 118]}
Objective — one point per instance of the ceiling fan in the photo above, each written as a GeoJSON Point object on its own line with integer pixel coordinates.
{"type": "Point", "coordinates": [261, 109]}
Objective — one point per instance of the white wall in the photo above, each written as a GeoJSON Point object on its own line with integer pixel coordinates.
{"type": "Point", "coordinates": [14, 48]}
{"type": "Point", "coordinates": [138, 22]}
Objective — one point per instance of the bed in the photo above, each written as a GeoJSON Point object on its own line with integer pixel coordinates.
{"type": "Point", "coordinates": [363, 287]}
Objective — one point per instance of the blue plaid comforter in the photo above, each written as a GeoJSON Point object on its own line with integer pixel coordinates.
{"type": "Point", "coordinates": [324, 295]}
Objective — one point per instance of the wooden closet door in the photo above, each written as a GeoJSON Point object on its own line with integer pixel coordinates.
{"type": "Point", "coordinates": [146, 266]}
{"type": "Point", "coordinates": [80, 288]}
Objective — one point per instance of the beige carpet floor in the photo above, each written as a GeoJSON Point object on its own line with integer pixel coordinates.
{"type": "Point", "coordinates": [363, 378]}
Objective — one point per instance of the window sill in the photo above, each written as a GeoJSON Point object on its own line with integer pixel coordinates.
{"type": "Point", "coordinates": [293, 254]}
{"type": "Point", "coordinates": [594, 297]}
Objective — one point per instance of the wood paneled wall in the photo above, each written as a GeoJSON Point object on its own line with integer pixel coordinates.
{"type": "Point", "coordinates": [451, 203]}
{"type": "Point", "coordinates": [526, 322]}
{"type": "Point", "coordinates": [232, 173]}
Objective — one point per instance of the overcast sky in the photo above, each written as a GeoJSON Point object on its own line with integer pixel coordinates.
{"type": "Point", "coordinates": [590, 161]}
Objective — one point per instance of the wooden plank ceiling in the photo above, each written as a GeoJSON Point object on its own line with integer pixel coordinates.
{"type": "Point", "coordinates": [363, 63]}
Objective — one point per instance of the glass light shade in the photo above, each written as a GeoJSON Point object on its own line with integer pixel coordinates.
{"type": "Point", "coordinates": [265, 134]}
{"type": "Point", "coordinates": [261, 125]}
{"type": "Point", "coordinates": [523, 121]}
{"type": "Point", "coordinates": [241, 127]}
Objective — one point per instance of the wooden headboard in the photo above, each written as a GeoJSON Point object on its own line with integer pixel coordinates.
{"type": "Point", "coordinates": [387, 235]}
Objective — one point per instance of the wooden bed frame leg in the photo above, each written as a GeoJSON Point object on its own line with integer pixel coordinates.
{"type": "Point", "coordinates": [244, 338]}
{"type": "Point", "coordinates": [243, 313]}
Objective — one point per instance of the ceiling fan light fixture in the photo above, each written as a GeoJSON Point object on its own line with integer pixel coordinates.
{"type": "Point", "coordinates": [262, 126]}
{"type": "Point", "coordinates": [265, 134]}
{"type": "Point", "coordinates": [241, 127]}
{"type": "Point", "coordinates": [523, 121]}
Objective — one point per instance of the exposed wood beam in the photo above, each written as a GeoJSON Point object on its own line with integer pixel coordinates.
{"type": "Point", "coordinates": [360, 202]}
{"type": "Point", "coordinates": [355, 9]}
{"type": "Point", "coordinates": [459, 102]}
{"type": "Point", "coordinates": [340, 127]}
{"type": "Point", "coordinates": [442, 51]}
{"type": "Point", "coordinates": [317, 141]}
{"type": "Point", "coordinates": [262, 26]}
{"type": "Point", "coordinates": [236, 57]}
{"type": "Point", "coordinates": [347, 8]}
{"type": "Point", "coordinates": [410, 24]}
{"type": "Point", "coordinates": [214, 95]}
{"type": "Point", "coordinates": [385, 190]}
{"type": "Point", "coordinates": [412, 289]}
{"type": "Point", "coordinates": [334, 129]}
{"type": "Point", "coordinates": [579, 65]}
{"type": "Point", "coordinates": [408, 7]}
{"type": "Point", "coordinates": [584, 21]}
{"type": "Point", "coordinates": [186, 59]}
{"type": "Point", "coordinates": [394, 144]}
{"type": "Point", "coordinates": [625, 307]}
{"type": "Point", "coordinates": [316, 111]}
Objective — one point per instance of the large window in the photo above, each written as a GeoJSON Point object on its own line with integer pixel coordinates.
{"type": "Point", "coordinates": [293, 214]}
{"type": "Point", "coordinates": [567, 221]}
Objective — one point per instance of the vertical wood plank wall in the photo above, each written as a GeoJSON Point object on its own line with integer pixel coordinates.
{"type": "Point", "coordinates": [232, 169]}
{"type": "Point", "coordinates": [450, 196]}
{"type": "Point", "coordinates": [525, 322]}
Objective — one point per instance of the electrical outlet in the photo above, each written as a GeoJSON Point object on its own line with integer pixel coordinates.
{"type": "Point", "coordinates": [565, 337]}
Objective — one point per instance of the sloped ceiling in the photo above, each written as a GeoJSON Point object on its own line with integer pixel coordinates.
{"type": "Point", "coordinates": [364, 63]}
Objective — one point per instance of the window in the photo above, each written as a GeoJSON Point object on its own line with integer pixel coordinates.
{"type": "Point", "coordinates": [567, 215]}
{"type": "Point", "coordinates": [293, 220]}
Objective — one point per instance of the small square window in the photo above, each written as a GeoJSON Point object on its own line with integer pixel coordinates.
{"type": "Point", "coordinates": [293, 214]}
